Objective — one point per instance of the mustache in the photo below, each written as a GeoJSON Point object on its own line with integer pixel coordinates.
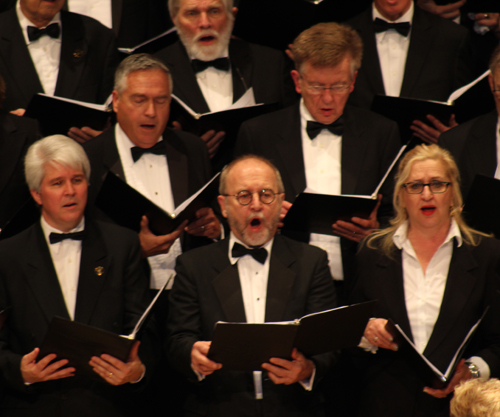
{"type": "Point", "coordinates": [207, 32]}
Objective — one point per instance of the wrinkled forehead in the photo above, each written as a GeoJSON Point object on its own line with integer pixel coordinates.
{"type": "Point", "coordinates": [252, 175]}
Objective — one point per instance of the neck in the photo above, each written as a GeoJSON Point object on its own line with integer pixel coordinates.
{"type": "Point", "coordinates": [38, 21]}
{"type": "Point", "coordinates": [431, 237]}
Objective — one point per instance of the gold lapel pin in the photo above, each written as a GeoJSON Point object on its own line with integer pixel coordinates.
{"type": "Point", "coordinates": [99, 270]}
{"type": "Point", "coordinates": [78, 53]}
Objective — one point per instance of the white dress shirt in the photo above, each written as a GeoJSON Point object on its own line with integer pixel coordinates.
{"type": "Point", "coordinates": [323, 170]}
{"type": "Point", "coordinates": [45, 52]}
{"type": "Point", "coordinates": [392, 49]}
{"type": "Point", "coordinates": [66, 259]}
{"type": "Point", "coordinates": [424, 290]}
{"type": "Point", "coordinates": [497, 172]}
{"type": "Point", "coordinates": [98, 9]}
{"type": "Point", "coordinates": [150, 176]}
{"type": "Point", "coordinates": [216, 86]}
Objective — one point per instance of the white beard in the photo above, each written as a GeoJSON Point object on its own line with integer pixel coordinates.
{"type": "Point", "coordinates": [206, 52]}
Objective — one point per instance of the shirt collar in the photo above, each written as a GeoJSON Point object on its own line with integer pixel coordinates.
{"type": "Point", "coordinates": [407, 17]}
{"type": "Point", "coordinates": [401, 234]}
{"type": "Point", "coordinates": [233, 239]}
{"type": "Point", "coordinates": [48, 229]}
{"type": "Point", "coordinates": [24, 22]}
{"type": "Point", "coordinates": [124, 144]}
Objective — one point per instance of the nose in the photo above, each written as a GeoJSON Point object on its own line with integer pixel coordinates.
{"type": "Point", "coordinates": [204, 21]}
{"type": "Point", "coordinates": [69, 188]}
{"type": "Point", "coordinates": [256, 204]}
{"type": "Point", "coordinates": [327, 95]}
{"type": "Point", "coordinates": [426, 192]}
{"type": "Point", "coordinates": [150, 109]}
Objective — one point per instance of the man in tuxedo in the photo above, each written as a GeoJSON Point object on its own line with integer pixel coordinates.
{"type": "Point", "coordinates": [322, 144]}
{"type": "Point", "coordinates": [164, 165]}
{"type": "Point", "coordinates": [254, 276]}
{"type": "Point", "coordinates": [69, 266]}
{"type": "Point", "coordinates": [212, 71]}
{"type": "Point", "coordinates": [46, 50]}
{"type": "Point", "coordinates": [409, 52]}
{"type": "Point", "coordinates": [474, 144]}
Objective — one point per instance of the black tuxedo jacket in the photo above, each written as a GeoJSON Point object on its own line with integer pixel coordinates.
{"type": "Point", "coordinates": [16, 136]}
{"type": "Point", "coordinates": [88, 61]}
{"type": "Point", "coordinates": [188, 165]}
{"type": "Point", "coordinates": [252, 65]}
{"type": "Point", "coordinates": [389, 386]}
{"type": "Point", "coordinates": [440, 59]}
{"type": "Point", "coordinates": [474, 146]}
{"type": "Point", "coordinates": [369, 144]}
{"type": "Point", "coordinates": [207, 289]}
{"type": "Point", "coordinates": [113, 301]}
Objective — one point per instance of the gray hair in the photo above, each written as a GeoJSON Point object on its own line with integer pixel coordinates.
{"type": "Point", "coordinates": [139, 62]}
{"type": "Point", "coordinates": [228, 168]}
{"type": "Point", "coordinates": [53, 149]}
{"type": "Point", "coordinates": [175, 5]}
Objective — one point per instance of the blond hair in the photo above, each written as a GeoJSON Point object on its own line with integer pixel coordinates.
{"type": "Point", "coordinates": [476, 398]}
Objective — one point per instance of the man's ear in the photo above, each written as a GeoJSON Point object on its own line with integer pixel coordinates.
{"type": "Point", "coordinates": [36, 196]}
{"type": "Point", "coordinates": [222, 203]}
{"type": "Point", "coordinates": [115, 100]}
{"type": "Point", "coordinates": [296, 79]}
{"type": "Point", "coordinates": [234, 11]}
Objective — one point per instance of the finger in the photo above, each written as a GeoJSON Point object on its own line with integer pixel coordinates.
{"type": "Point", "coordinates": [145, 225]}
{"type": "Point", "coordinates": [216, 139]}
{"type": "Point", "coordinates": [207, 136]}
{"type": "Point", "coordinates": [276, 370]}
{"type": "Point", "coordinates": [134, 352]}
{"type": "Point", "coordinates": [176, 126]}
{"type": "Point", "coordinates": [31, 357]}
{"type": "Point", "coordinates": [453, 121]}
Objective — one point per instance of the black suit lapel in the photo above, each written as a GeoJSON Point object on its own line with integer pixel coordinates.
{"type": "Point", "coordinates": [94, 267]}
{"type": "Point", "coordinates": [241, 67]}
{"type": "Point", "coordinates": [422, 34]}
{"type": "Point", "coordinates": [227, 285]}
{"type": "Point", "coordinates": [14, 51]}
{"type": "Point", "coordinates": [370, 54]}
{"type": "Point", "coordinates": [354, 151]}
{"type": "Point", "coordinates": [74, 51]}
{"type": "Point", "coordinates": [393, 295]}
{"type": "Point", "coordinates": [42, 277]}
{"type": "Point", "coordinates": [185, 84]}
{"type": "Point", "coordinates": [459, 285]}
{"type": "Point", "coordinates": [289, 147]}
{"type": "Point", "coordinates": [111, 157]}
{"type": "Point", "coordinates": [116, 15]}
{"type": "Point", "coordinates": [280, 281]}
{"type": "Point", "coordinates": [177, 167]}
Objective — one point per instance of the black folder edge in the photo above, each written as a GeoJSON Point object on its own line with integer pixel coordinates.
{"type": "Point", "coordinates": [126, 206]}
{"type": "Point", "coordinates": [482, 205]}
{"type": "Point", "coordinates": [57, 116]}
{"type": "Point", "coordinates": [78, 342]}
{"type": "Point", "coordinates": [428, 375]}
{"type": "Point", "coordinates": [246, 346]}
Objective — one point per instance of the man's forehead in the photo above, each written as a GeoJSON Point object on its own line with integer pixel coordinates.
{"type": "Point", "coordinates": [195, 4]}
{"type": "Point", "coordinates": [251, 174]}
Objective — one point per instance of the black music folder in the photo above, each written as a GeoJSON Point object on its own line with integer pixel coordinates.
{"type": "Point", "coordinates": [56, 115]}
{"type": "Point", "coordinates": [153, 45]}
{"type": "Point", "coordinates": [315, 213]}
{"type": "Point", "coordinates": [431, 375]}
{"type": "Point", "coordinates": [126, 206]}
{"type": "Point", "coordinates": [246, 346]}
{"type": "Point", "coordinates": [482, 205]}
{"type": "Point", "coordinates": [78, 342]}
{"type": "Point", "coordinates": [463, 103]}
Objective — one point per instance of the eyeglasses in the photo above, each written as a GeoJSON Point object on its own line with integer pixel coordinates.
{"type": "Point", "coordinates": [245, 197]}
{"type": "Point", "coordinates": [436, 187]}
{"type": "Point", "coordinates": [320, 89]}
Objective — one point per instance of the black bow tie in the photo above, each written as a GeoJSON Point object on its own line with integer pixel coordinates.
{"type": "Point", "coordinates": [59, 237]}
{"type": "Point", "coordinates": [313, 129]}
{"type": "Point", "coordinates": [52, 30]}
{"type": "Point", "coordinates": [157, 149]}
{"type": "Point", "coordinates": [259, 254]}
{"type": "Point", "coordinates": [221, 64]}
{"type": "Point", "coordinates": [380, 25]}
